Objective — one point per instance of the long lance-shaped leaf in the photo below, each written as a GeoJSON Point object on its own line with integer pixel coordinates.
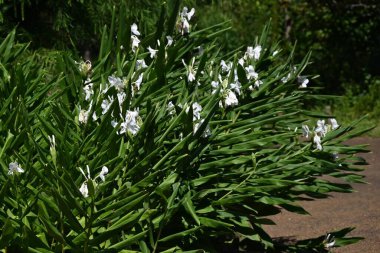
{"type": "Point", "coordinates": [124, 222]}
{"type": "Point", "coordinates": [128, 241]}
{"type": "Point", "coordinates": [180, 235]}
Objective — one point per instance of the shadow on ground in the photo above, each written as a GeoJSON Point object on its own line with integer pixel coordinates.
{"type": "Point", "coordinates": [359, 209]}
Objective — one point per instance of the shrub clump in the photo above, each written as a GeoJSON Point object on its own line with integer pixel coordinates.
{"type": "Point", "coordinates": [162, 144]}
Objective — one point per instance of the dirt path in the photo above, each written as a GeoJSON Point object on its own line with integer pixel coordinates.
{"type": "Point", "coordinates": [360, 209]}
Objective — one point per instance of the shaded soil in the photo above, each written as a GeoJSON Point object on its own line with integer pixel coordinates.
{"type": "Point", "coordinates": [360, 209]}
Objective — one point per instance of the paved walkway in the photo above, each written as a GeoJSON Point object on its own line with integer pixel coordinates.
{"type": "Point", "coordinates": [360, 209]}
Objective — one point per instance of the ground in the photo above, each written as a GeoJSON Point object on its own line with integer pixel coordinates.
{"type": "Point", "coordinates": [360, 209]}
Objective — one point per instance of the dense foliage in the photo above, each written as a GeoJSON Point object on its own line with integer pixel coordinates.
{"type": "Point", "coordinates": [343, 35]}
{"type": "Point", "coordinates": [162, 143]}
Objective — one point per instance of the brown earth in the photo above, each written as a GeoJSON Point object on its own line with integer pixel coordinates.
{"type": "Point", "coordinates": [360, 209]}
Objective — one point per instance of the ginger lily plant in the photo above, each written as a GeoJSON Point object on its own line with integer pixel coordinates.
{"type": "Point", "coordinates": [191, 157]}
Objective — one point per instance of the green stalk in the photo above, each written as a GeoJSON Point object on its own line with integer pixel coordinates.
{"type": "Point", "coordinates": [89, 221]}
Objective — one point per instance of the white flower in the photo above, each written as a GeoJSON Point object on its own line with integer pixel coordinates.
{"type": "Point", "coordinates": [121, 97]}
{"type": "Point", "coordinates": [258, 83]}
{"type": "Point", "coordinates": [329, 244]}
{"type": "Point", "coordinates": [185, 27]}
{"type": "Point", "coordinates": [190, 70]}
{"type": "Point", "coordinates": [88, 91]}
{"type": "Point", "coordinates": [103, 173]}
{"type": "Point", "coordinates": [334, 124]}
{"type": "Point", "coordinates": [140, 64]}
{"type": "Point", "coordinates": [104, 88]}
{"type": "Point", "coordinates": [251, 74]}
{"type": "Point", "coordinates": [231, 99]}
{"type": "Point", "coordinates": [134, 29]}
{"type": "Point", "coordinates": [190, 13]}
{"type": "Point", "coordinates": [83, 189]}
{"type": "Point", "coordinates": [116, 82]}
{"type": "Point", "coordinates": [139, 81]}
{"type": "Point", "coordinates": [207, 131]}
{"type": "Point", "coordinates": [52, 141]}
{"type": "Point", "coordinates": [303, 81]}
{"type": "Point", "coordinates": [83, 116]}
{"type": "Point", "coordinates": [114, 123]}
{"type": "Point", "coordinates": [171, 108]}
{"type": "Point", "coordinates": [321, 128]}
{"type": "Point", "coordinates": [14, 168]}
{"type": "Point", "coordinates": [130, 123]}
{"type": "Point", "coordinates": [317, 142]}
{"type": "Point", "coordinates": [286, 78]}
{"type": "Point", "coordinates": [52, 149]}
{"type": "Point", "coordinates": [329, 241]}
{"type": "Point", "coordinates": [85, 67]}
{"type": "Point", "coordinates": [226, 67]}
{"type": "Point", "coordinates": [253, 53]}
{"type": "Point", "coordinates": [197, 108]}
{"type": "Point", "coordinates": [187, 15]}
{"type": "Point", "coordinates": [236, 86]}
{"type": "Point", "coordinates": [94, 116]}
{"type": "Point", "coordinates": [275, 53]}
{"type": "Point", "coordinates": [106, 104]}
{"type": "Point", "coordinates": [152, 52]}
{"type": "Point", "coordinates": [215, 86]}
{"type": "Point", "coordinates": [170, 41]}
{"type": "Point", "coordinates": [135, 43]}
{"type": "Point", "coordinates": [241, 62]}
{"type": "Point", "coordinates": [256, 52]}
{"type": "Point", "coordinates": [88, 176]}
{"type": "Point", "coordinates": [191, 76]}
{"type": "Point", "coordinates": [305, 131]}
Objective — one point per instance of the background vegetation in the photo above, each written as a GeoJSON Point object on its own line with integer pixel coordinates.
{"type": "Point", "coordinates": [343, 35]}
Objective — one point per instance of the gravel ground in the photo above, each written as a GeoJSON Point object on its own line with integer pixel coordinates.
{"type": "Point", "coordinates": [360, 209]}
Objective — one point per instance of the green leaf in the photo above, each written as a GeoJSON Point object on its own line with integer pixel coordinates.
{"type": "Point", "coordinates": [189, 207]}
{"type": "Point", "coordinates": [7, 233]}
{"type": "Point", "coordinates": [179, 235]}
{"type": "Point", "coordinates": [208, 222]}
{"type": "Point", "coordinates": [128, 241]}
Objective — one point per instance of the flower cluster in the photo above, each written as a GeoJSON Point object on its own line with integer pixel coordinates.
{"type": "Point", "coordinates": [190, 70]}
{"type": "Point", "coordinates": [134, 37]}
{"type": "Point", "coordinates": [115, 90]}
{"type": "Point", "coordinates": [251, 56]}
{"type": "Point", "coordinates": [14, 168]}
{"type": "Point", "coordinates": [184, 18]}
{"type": "Point", "coordinates": [197, 120]}
{"type": "Point", "coordinates": [230, 90]}
{"type": "Point", "coordinates": [84, 187]}
{"type": "Point", "coordinates": [303, 81]}
{"type": "Point", "coordinates": [320, 131]}
{"type": "Point", "coordinates": [129, 123]}
{"type": "Point", "coordinates": [85, 67]}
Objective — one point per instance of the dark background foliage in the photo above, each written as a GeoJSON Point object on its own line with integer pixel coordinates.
{"type": "Point", "coordinates": [342, 35]}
